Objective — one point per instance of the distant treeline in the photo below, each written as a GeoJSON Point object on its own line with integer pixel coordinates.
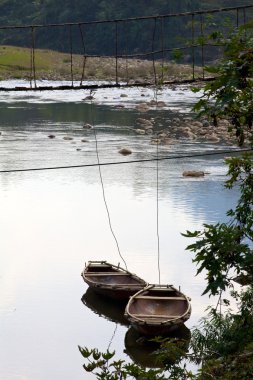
{"type": "Point", "coordinates": [132, 37]}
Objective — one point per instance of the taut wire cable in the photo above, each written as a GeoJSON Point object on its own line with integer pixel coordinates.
{"type": "Point", "coordinates": [176, 157]}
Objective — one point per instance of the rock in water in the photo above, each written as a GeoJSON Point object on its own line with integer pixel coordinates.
{"type": "Point", "coordinates": [87, 126]}
{"type": "Point", "coordinates": [193, 173]}
{"type": "Point", "coordinates": [125, 151]}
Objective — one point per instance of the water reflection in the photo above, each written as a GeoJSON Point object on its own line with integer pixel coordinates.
{"type": "Point", "coordinates": [105, 307]}
{"type": "Point", "coordinates": [149, 353]}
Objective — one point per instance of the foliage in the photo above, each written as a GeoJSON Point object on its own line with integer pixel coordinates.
{"type": "Point", "coordinates": [225, 342]}
{"type": "Point", "coordinates": [230, 94]}
{"type": "Point", "coordinates": [221, 335]}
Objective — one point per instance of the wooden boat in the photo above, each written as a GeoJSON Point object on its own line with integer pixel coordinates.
{"type": "Point", "coordinates": [111, 280]}
{"type": "Point", "coordinates": [158, 309]}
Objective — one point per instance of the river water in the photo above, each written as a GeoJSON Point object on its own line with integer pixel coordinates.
{"type": "Point", "coordinates": [54, 221]}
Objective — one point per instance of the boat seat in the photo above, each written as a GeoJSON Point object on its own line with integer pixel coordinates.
{"type": "Point", "coordinates": [161, 298]}
{"type": "Point", "coordinates": [105, 274]}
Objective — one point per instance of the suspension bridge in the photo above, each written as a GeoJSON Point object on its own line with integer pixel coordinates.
{"type": "Point", "coordinates": [193, 43]}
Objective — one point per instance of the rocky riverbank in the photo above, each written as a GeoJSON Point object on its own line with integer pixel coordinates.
{"type": "Point", "coordinates": [168, 132]}
{"type": "Point", "coordinates": [186, 128]}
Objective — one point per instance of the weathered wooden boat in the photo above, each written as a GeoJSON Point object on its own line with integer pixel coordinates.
{"type": "Point", "coordinates": [111, 280]}
{"type": "Point", "coordinates": [105, 307]}
{"type": "Point", "coordinates": [158, 309]}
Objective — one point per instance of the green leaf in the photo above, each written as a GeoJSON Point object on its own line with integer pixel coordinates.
{"type": "Point", "coordinates": [85, 351]}
{"type": "Point", "coordinates": [108, 355]}
{"type": "Point", "coordinates": [90, 367]}
{"type": "Point", "coordinates": [96, 355]}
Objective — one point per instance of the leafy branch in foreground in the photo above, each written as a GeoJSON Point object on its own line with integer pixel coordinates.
{"type": "Point", "coordinates": [105, 368]}
{"type": "Point", "coordinates": [166, 357]}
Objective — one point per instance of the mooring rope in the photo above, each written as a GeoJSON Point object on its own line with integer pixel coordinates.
{"type": "Point", "coordinates": [103, 188]}
{"type": "Point", "coordinates": [112, 337]}
{"type": "Point", "coordinates": [157, 211]}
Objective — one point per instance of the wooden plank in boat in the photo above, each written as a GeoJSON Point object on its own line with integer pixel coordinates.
{"type": "Point", "coordinates": [161, 298]}
{"type": "Point", "coordinates": [105, 274]}
{"type": "Point", "coordinates": [155, 316]}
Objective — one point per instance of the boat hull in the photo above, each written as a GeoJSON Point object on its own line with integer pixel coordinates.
{"type": "Point", "coordinates": [114, 292]}
{"type": "Point", "coordinates": [156, 329]}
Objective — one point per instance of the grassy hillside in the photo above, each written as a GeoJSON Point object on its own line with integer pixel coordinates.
{"type": "Point", "coordinates": [15, 62]}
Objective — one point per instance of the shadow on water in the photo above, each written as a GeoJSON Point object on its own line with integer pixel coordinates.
{"type": "Point", "coordinates": [105, 307]}
{"type": "Point", "coordinates": [142, 350]}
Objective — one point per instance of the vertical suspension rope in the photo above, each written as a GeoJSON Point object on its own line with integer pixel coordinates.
{"type": "Point", "coordinates": [116, 52]}
{"type": "Point", "coordinates": [202, 46]}
{"type": "Point", "coordinates": [126, 50]}
{"type": "Point", "coordinates": [84, 53]}
{"type": "Point", "coordinates": [162, 42]}
{"type": "Point", "coordinates": [71, 54]}
{"type": "Point", "coordinates": [193, 49]}
{"type": "Point", "coordinates": [153, 46]}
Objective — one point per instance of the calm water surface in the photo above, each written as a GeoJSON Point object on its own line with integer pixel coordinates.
{"type": "Point", "coordinates": [52, 222]}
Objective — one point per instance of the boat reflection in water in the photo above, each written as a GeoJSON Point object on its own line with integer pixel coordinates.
{"type": "Point", "coordinates": [143, 351]}
{"type": "Point", "coordinates": [105, 306]}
